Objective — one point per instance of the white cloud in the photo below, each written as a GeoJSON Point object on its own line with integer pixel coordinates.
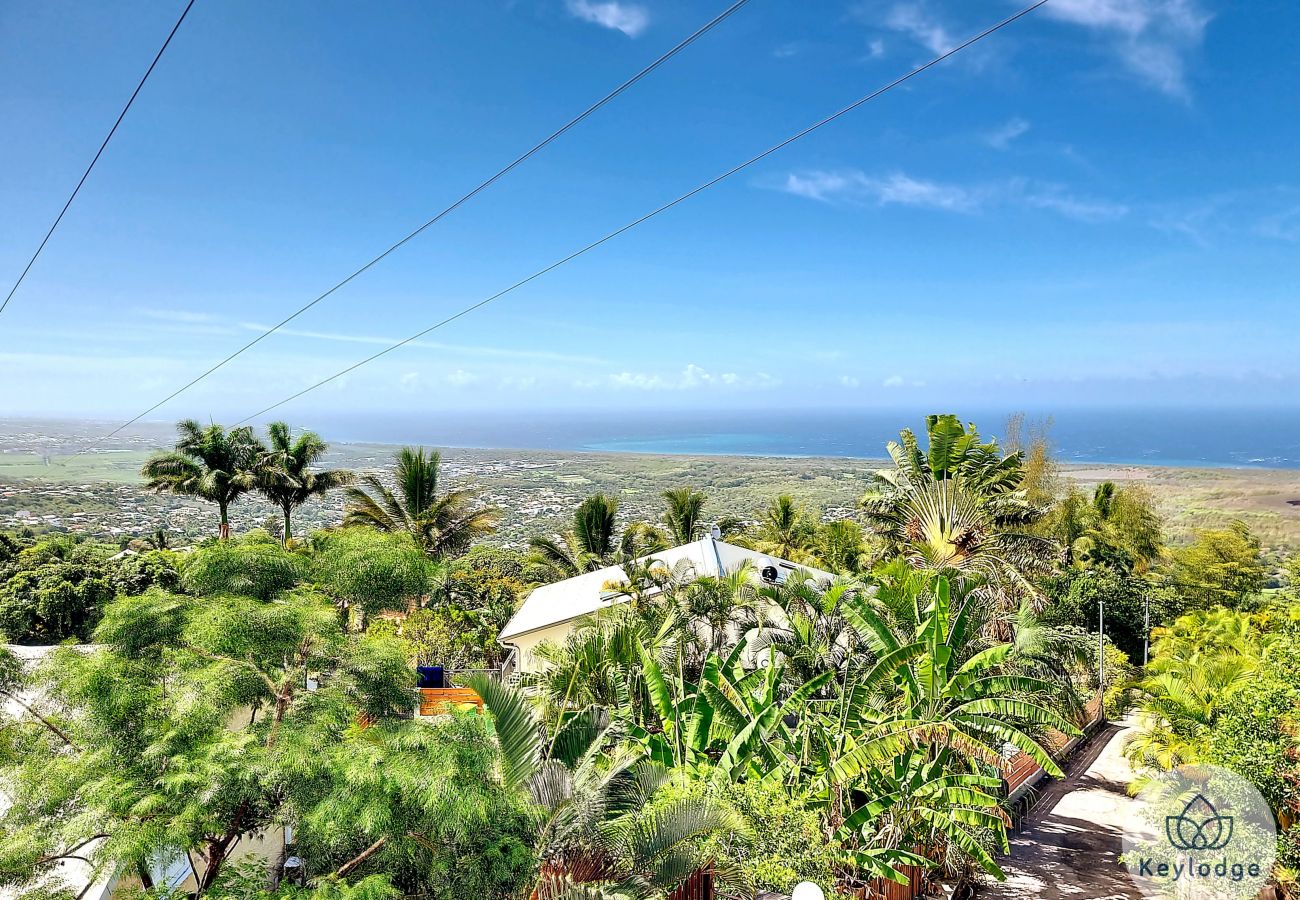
{"type": "Point", "coordinates": [898, 381]}
{"type": "Point", "coordinates": [1152, 38]}
{"type": "Point", "coordinates": [911, 19]}
{"type": "Point", "coordinates": [461, 378]}
{"type": "Point", "coordinates": [628, 18]}
{"type": "Point", "coordinates": [849, 381]}
{"type": "Point", "coordinates": [876, 49]}
{"type": "Point", "coordinates": [692, 377]}
{"type": "Point", "coordinates": [1001, 138]}
{"type": "Point", "coordinates": [900, 189]}
{"type": "Point", "coordinates": [896, 188]}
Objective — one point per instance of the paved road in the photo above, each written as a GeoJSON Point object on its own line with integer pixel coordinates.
{"type": "Point", "coordinates": [1070, 846]}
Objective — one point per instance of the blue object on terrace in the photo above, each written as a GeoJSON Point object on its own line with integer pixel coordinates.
{"type": "Point", "coordinates": [432, 676]}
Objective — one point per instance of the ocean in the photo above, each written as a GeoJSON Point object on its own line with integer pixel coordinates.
{"type": "Point", "coordinates": [1161, 437]}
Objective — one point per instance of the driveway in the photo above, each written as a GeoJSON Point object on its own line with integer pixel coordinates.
{"type": "Point", "coordinates": [1069, 848]}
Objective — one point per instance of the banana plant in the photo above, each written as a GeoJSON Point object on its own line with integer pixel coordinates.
{"type": "Point", "coordinates": [916, 734]}
{"type": "Point", "coordinates": [731, 724]}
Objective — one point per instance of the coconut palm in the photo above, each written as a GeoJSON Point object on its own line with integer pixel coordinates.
{"type": "Point", "coordinates": [444, 524]}
{"type": "Point", "coordinates": [287, 478]}
{"type": "Point", "coordinates": [209, 463]}
{"type": "Point", "coordinates": [593, 542]}
{"type": "Point", "coordinates": [684, 515]}
{"type": "Point", "coordinates": [783, 530]}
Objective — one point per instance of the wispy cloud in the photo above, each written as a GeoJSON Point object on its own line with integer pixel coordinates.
{"type": "Point", "coordinates": [898, 381]}
{"type": "Point", "coordinates": [628, 18]}
{"type": "Point", "coordinates": [916, 21]}
{"type": "Point", "coordinates": [692, 377]}
{"type": "Point", "coordinates": [899, 189]}
{"type": "Point", "coordinates": [1002, 137]}
{"type": "Point", "coordinates": [896, 188]}
{"type": "Point", "coordinates": [463, 349]}
{"type": "Point", "coordinates": [850, 381]}
{"type": "Point", "coordinates": [1272, 214]}
{"type": "Point", "coordinates": [1151, 38]}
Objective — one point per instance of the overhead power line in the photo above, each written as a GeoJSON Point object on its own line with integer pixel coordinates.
{"type": "Point", "coordinates": [536, 148]}
{"type": "Point", "coordinates": [73, 196]}
{"type": "Point", "coordinates": [667, 206]}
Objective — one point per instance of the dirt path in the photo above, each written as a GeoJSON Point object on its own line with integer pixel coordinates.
{"type": "Point", "coordinates": [1070, 846]}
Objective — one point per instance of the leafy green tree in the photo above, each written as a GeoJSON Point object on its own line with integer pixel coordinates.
{"type": "Point", "coordinates": [1118, 528]}
{"type": "Point", "coordinates": [366, 572]}
{"type": "Point", "coordinates": [593, 542]}
{"type": "Point", "coordinates": [184, 728]}
{"type": "Point", "coordinates": [443, 523]}
{"type": "Point", "coordinates": [1220, 566]}
{"type": "Point", "coordinates": [287, 477]}
{"type": "Point", "coordinates": [1078, 594]}
{"type": "Point", "coordinates": [783, 842]}
{"type": "Point", "coordinates": [154, 568]}
{"type": "Point", "coordinates": [252, 566]}
{"type": "Point", "coordinates": [209, 463]}
{"type": "Point", "coordinates": [53, 591]}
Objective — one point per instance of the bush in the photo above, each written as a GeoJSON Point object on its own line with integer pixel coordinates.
{"type": "Point", "coordinates": [155, 568]}
{"type": "Point", "coordinates": [783, 843]}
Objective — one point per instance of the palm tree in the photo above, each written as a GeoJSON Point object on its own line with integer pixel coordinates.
{"type": "Point", "coordinates": [443, 524]}
{"type": "Point", "coordinates": [1117, 528]}
{"type": "Point", "coordinates": [715, 610]}
{"type": "Point", "coordinates": [684, 515]}
{"type": "Point", "coordinates": [593, 542]}
{"type": "Point", "coordinates": [287, 480]}
{"type": "Point", "coordinates": [783, 530]}
{"type": "Point", "coordinates": [209, 463]}
{"type": "Point", "coordinates": [959, 509]}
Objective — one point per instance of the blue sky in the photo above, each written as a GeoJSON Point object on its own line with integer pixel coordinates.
{"type": "Point", "coordinates": [1099, 205]}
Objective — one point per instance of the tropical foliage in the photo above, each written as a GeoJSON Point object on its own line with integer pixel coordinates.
{"type": "Point", "coordinates": [846, 720]}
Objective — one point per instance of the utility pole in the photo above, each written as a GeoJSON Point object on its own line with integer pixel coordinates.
{"type": "Point", "coordinates": [1146, 635]}
{"type": "Point", "coordinates": [1101, 647]}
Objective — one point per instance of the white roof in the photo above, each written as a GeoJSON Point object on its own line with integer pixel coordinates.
{"type": "Point", "coordinates": [584, 594]}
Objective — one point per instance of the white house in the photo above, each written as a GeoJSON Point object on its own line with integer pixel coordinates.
{"type": "Point", "coordinates": [551, 611]}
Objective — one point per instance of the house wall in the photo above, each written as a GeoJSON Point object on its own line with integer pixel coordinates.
{"type": "Point", "coordinates": [528, 642]}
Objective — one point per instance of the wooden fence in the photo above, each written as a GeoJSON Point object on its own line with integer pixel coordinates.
{"type": "Point", "coordinates": [435, 701]}
{"type": "Point", "coordinates": [697, 887]}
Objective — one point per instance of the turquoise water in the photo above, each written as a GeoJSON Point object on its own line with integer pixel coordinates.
{"type": "Point", "coordinates": [1230, 438]}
